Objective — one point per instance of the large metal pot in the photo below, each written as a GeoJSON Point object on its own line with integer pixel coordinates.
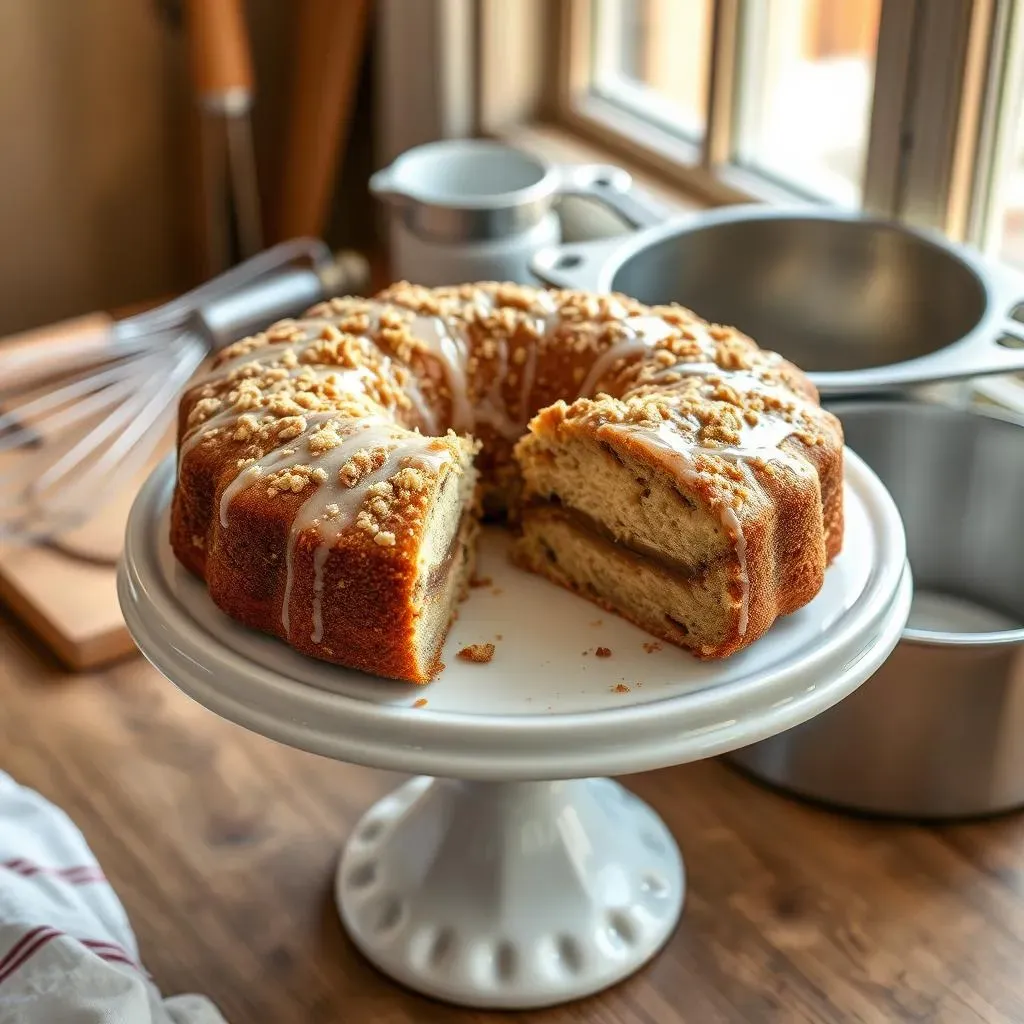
{"type": "Point", "coordinates": [938, 731]}
{"type": "Point", "coordinates": [862, 304]}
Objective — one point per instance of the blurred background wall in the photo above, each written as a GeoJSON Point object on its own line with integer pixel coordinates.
{"type": "Point", "coordinates": [98, 154]}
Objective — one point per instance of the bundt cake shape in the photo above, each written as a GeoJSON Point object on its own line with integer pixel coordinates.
{"type": "Point", "coordinates": [333, 470]}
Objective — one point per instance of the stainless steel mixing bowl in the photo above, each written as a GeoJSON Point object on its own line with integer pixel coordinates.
{"type": "Point", "coordinates": [938, 731]}
{"type": "Point", "coordinates": [861, 303]}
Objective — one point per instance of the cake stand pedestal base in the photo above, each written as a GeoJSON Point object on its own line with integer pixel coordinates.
{"type": "Point", "coordinates": [510, 894]}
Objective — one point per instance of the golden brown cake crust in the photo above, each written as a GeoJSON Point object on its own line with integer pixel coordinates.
{"type": "Point", "coordinates": [313, 456]}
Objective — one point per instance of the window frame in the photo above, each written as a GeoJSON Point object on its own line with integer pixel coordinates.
{"type": "Point", "coordinates": [999, 72]}
{"type": "Point", "coordinates": [915, 47]}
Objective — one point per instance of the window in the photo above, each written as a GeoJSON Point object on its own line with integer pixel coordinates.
{"type": "Point", "coordinates": [998, 186]}
{"type": "Point", "coordinates": [1000, 228]}
{"type": "Point", "coordinates": [803, 81]}
{"type": "Point", "coordinates": [860, 103]}
{"type": "Point", "coordinates": [807, 69]}
{"type": "Point", "coordinates": [1010, 224]}
{"type": "Point", "coordinates": [742, 97]}
{"type": "Point", "coordinates": [651, 57]}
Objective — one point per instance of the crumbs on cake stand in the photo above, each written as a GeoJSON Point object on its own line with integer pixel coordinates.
{"type": "Point", "coordinates": [601, 652]}
{"type": "Point", "coordinates": [480, 581]}
{"type": "Point", "coordinates": [421, 703]}
{"type": "Point", "coordinates": [651, 646]}
{"type": "Point", "coordinates": [479, 653]}
{"type": "Point", "coordinates": [620, 688]}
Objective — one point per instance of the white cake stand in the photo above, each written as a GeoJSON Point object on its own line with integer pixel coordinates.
{"type": "Point", "coordinates": [483, 882]}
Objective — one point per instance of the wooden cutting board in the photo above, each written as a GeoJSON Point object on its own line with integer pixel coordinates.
{"type": "Point", "coordinates": [66, 593]}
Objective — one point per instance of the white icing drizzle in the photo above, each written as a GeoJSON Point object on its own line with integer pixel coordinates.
{"type": "Point", "coordinates": [546, 319]}
{"type": "Point", "coordinates": [311, 328]}
{"type": "Point", "coordinates": [319, 561]}
{"type": "Point", "coordinates": [644, 332]}
{"type": "Point", "coordinates": [351, 381]}
{"type": "Point", "coordinates": [549, 316]}
{"type": "Point", "coordinates": [757, 441]}
{"type": "Point", "coordinates": [332, 507]}
{"type": "Point", "coordinates": [444, 338]}
{"type": "Point", "coordinates": [491, 408]}
{"type": "Point", "coordinates": [426, 415]}
{"type": "Point", "coordinates": [483, 302]}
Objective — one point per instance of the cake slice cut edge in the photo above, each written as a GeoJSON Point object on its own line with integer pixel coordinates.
{"type": "Point", "coordinates": [631, 527]}
{"type": "Point", "coordinates": [445, 566]}
{"type": "Point", "coordinates": [350, 601]}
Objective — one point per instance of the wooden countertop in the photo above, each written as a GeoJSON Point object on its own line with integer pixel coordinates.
{"type": "Point", "coordinates": [223, 846]}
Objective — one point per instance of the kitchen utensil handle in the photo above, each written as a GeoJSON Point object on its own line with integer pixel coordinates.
{"type": "Point", "coordinates": [221, 61]}
{"type": "Point", "coordinates": [286, 292]}
{"type": "Point", "coordinates": [255, 307]}
{"type": "Point", "coordinates": [330, 45]}
{"type": "Point", "coordinates": [612, 187]}
{"type": "Point", "coordinates": [578, 265]}
{"type": "Point", "coordinates": [176, 312]}
{"type": "Point", "coordinates": [991, 349]}
{"type": "Point", "coordinates": [64, 347]}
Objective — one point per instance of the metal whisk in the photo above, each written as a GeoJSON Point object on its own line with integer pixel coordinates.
{"type": "Point", "coordinates": [79, 421]}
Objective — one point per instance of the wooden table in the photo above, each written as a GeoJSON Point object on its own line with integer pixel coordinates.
{"type": "Point", "coordinates": [223, 847]}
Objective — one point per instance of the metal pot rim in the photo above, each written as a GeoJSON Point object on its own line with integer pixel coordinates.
{"type": "Point", "coordinates": [982, 350]}
{"type": "Point", "coordinates": [625, 247]}
{"type": "Point", "coordinates": [928, 637]}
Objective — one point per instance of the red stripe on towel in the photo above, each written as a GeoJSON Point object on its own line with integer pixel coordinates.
{"type": "Point", "coordinates": [20, 944]}
{"type": "Point", "coordinates": [25, 949]}
{"type": "Point", "coordinates": [84, 874]}
{"type": "Point", "coordinates": [100, 947]}
{"type": "Point", "coordinates": [31, 942]}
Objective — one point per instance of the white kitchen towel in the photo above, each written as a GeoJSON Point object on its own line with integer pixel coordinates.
{"type": "Point", "coordinates": [67, 952]}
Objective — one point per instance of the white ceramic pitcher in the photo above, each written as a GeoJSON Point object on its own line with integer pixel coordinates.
{"type": "Point", "coordinates": [472, 209]}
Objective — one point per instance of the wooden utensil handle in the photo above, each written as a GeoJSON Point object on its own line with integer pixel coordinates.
{"type": "Point", "coordinates": [62, 347]}
{"type": "Point", "coordinates": [220, 55]}
{"type": "Point", "coordinates": [330, 46]}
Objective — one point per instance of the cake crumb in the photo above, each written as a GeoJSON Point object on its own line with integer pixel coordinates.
{"type": "Point", "coordinates": [421, 703]}
{"type": "Point", "coordinates": [498, 636]}
{"type": "Point", "coordinates": [651, 646]}
{"type": "Point", "coordinates": [480, 581]}
{"type": "Point", "coordinates": [480, 653]}
{"type": "Point", "coordinates": [497, 591]}
{"type": "Point", "coordinates": [598, 622]}
{"type": "Point", "coordinates": [620, 688]}
{"type": "Point", "coordinates": [603, 652]}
